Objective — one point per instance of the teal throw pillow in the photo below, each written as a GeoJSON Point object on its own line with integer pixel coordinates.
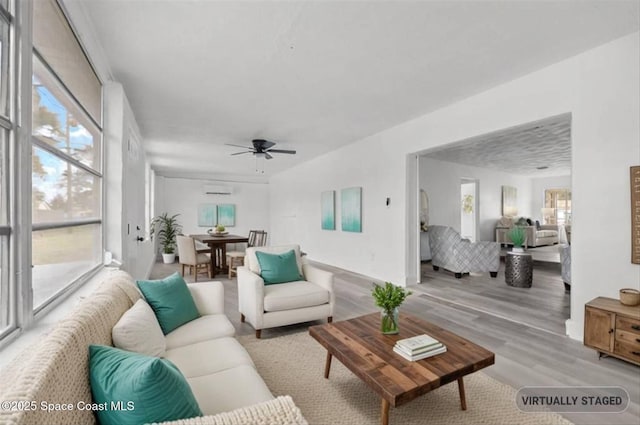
{"type": "Point", "coordinates": [170, 300]}
{"type": "Point", "coordinates": [278, 268]}
{"type": "Point", "coordinates": [138, 389]}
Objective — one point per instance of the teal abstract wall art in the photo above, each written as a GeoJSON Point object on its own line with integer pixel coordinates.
{"type": "Point", "coordinates": [207, 215]}
{"type": "Point", "coordinates": [227, 214]}
{"type": "Point", "coordinates": [351, 200]}
{"type": "Point", "coordinates": [328, 209]}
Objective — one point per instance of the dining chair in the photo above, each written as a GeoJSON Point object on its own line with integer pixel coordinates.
{"type": "Point", "coordinates": [235, 259]}
{"type": "Point", "coordinates": [188, 256]}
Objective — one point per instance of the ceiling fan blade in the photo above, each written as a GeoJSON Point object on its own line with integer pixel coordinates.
{"type": "Point", "coordinates": [266, 155]}
{"type": "Point", "coordinates": [239, 146]}
{"type": "Point", "coordinates": [282, 151]}
{"type": "Point", "coordinates": [240, 153]}
{"type": "Point", "coordinates": [262, 144]}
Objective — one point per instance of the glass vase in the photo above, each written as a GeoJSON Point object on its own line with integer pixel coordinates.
{"type": "Point", "coordinates": [389, 321]}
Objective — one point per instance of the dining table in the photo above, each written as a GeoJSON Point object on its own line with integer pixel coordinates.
{"type": "Point", "coordinates": [218, 245]}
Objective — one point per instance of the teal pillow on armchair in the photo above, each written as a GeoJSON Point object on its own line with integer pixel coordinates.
{"type": "Point", "coordinates": [170, 300]}
{"type": "Point", "coordinates": [278, 268]}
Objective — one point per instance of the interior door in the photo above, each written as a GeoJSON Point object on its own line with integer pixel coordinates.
{"type": "Point", "coordinates": [134, 207]}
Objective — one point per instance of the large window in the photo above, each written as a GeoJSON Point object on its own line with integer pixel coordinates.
{"type": "Point", "coordinates": [66, 175]}
{"type": "Point", "coordinates": [557, 204]}
{"type": "Point", "coordinates": [50, 162]}
{"type": "Point", "coordinates": [7, 288]}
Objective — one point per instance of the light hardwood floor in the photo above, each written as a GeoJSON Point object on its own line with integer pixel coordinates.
{"type": "Point", "coordinates": [491, 314]}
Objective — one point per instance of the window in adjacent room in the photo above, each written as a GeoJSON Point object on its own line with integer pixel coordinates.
{"type": "Point", "coordinates": [557, 204]}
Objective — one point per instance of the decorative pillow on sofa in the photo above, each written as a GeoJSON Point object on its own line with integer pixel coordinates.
{"type": "Point", "coordinates": [150, 389]}
{"type": "Point", "coordinates": [278, 268]}
{"type": "Point", "coordinates": [505, 221]}
{"type": "Point", "coordinates": [170, 300]}
{"type": "Point", "coordinates": [138, 330]}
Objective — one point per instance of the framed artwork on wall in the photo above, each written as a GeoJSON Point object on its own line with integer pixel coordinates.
{"type": "Point", "coordinates": [509, 201]}
{"type": "Point", "coordinates": [351, 204]}
{"type": "Point", "coordinates": [328, 209]}
{"type": "Point", "coordinates": [227, 214]}
{"type": "Point", "coordinates": [207, 215]}
{"type": "Point", "coordinates": [635, 214]}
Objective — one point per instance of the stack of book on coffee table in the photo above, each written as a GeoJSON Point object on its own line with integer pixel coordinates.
{"type": "Point", "coordinates": [419, 347]}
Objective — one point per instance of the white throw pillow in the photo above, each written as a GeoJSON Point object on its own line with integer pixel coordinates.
{"type": "Point", "coordinates": [138, 330]}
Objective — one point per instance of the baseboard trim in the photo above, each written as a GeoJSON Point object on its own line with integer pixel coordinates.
{"type": "Point", "coordinates": [573, 331]}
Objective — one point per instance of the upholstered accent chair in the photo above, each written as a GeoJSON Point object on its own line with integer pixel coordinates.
{"type": "Point", "coordinates": [565, 265]}
{"type": "Point", "coordinates": [451, 252]}
{"type": "Point", "coordinates": [188, 256]}
{"type": "Point", "coordinates": [273, 305]}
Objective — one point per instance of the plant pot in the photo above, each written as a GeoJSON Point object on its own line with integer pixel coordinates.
{"type": "Point", "coordinates": [168, 258]}
{"type": "Point", "coordinates": [389, 321]}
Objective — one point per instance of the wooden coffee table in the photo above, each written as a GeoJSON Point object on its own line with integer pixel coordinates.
{"type": "Point", "coordinates": [365, 351]}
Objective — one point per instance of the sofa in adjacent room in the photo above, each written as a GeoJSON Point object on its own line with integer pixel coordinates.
{"type": "Point", "coordinates": [219, 371]}
{"type": "Point", "coordinates": [536, 234]}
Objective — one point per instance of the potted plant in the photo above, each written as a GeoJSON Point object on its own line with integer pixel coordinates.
{"type": "Point", "coordinates": [168, 230]}
{"type": "Point", "coordinates": [518, 236]}
{"type": "Point", "coordinates": [388, 298]}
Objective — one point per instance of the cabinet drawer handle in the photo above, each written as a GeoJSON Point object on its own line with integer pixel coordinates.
{"type": "Point", "coordinates": [635, 327]}
{"type": "Point", "coordinates": [637, 339]}
{"type": "Point", "coordinates": [636, 353]}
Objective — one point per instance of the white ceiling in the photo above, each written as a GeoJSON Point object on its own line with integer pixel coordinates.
{"type": "Point", "coordinates": [522, 150]}
{"type": "Point", "coordinates": [314, 76]}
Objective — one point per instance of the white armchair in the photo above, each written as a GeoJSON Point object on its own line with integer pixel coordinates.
{"type": "Point", "coordinates": [284, 303]}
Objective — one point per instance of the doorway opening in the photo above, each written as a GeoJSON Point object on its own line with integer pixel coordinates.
{"type": "Point", "coordinates": [469, 209]}
{"type": "Point", "coordinates": [464, 181]}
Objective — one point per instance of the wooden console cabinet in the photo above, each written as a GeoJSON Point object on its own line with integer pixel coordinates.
{"type": "Point", "coordinates": [613, 329]}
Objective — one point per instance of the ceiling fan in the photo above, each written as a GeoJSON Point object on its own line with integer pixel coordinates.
{"type": "Point", "coordinates": [261, 147]}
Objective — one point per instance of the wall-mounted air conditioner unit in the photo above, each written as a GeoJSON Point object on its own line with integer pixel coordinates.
{"type": "Point", "coordinates": [212, 189]}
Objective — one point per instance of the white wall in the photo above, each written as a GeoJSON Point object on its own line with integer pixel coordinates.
{"type": "Point", "coordinates": [441, 181]}
{"type": "Point", "coordinates": [182, 196]}
{"type": "Point", "coordinates": [124, 186]}
{"type": "Point", "coordinates": [600, 88]}
{"type": "Point", "coordinates": [539, 185]}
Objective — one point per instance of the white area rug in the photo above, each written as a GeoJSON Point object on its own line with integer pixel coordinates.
{"type": "Point", "coordinates": [294, 365]}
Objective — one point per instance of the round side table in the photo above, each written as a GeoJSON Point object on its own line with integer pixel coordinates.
{"type": "Point", "coordinates": [518, 270]}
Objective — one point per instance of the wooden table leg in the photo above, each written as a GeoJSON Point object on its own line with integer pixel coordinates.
{"type": "Point", "coordinates": [384, 414]}
{"type": "Point", "coordinates": [224, 258]}
{"type": "Point", "coordinates": [213, 260]}
{"type": "Point", "coordinates": [327, 366]}
{"type": "Point", "coordinates": [463, 400]}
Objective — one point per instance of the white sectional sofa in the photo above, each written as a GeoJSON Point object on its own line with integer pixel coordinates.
{"type": "Point", "coordinates": [546, 234]}
{"type": "Point", "coordinates": [219, 370]}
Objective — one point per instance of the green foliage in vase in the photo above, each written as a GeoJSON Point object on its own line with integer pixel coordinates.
{"type": "Point", "coordinates": [169, 229]}
{"type": "Point", "coordinates": [389, 296]}
{"type": "Point", "coordinates": [517, 235]}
